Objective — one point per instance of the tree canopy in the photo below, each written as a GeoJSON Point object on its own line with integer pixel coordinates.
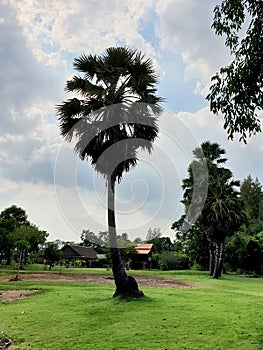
{"type": "Point", "coordinates": [18, 236]}
{"type": "Point", "coordinates": [252, 196]}
{"type": "Point", "coordinates": [236, 90]}
{"type": "Point", "coordinates": [52, 253]}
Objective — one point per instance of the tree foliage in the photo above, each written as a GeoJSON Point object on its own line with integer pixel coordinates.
{"type": "Point", "coordinates": [221, 213]}
{"type": "Point", "coordinates": [237, 89]}
{"type": "Point", "coordinates": [31, 237]}
{"type": "Point", "coordinates": [173, 261]}
{"type": "Point", "coordinates": [18, 233]}
{"type": "Point", "coordinates": [244, 251]}
{"type": "Point", "coordinates": [10, 219]}
{"type": "Point", "coordinates": [161, 244]}
{"type": "Point", "coordinates": [90, 239]}
{"type": "Point", "coordinates": [52, 253]}
{"type": "Point", "coordinates": [194, 243]}
{"type": "Point", "coordinates": [13, 217]}
{"type": "Point", "coordinates": [252, 196]}
{"type": "Point", "coordinates": [153, 233]}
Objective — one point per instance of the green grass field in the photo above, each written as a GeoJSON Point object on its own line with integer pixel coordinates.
{"type": "Point", "coordinates": [218, 315]}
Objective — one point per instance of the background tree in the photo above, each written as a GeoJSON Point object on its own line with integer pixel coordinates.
{"type": "Point", "coordinates": [193, 242]}
{"type": "Point", "coordinates": [138, 240]}
{"type": "Point", "coordinates": [10, 219]}
{"type": "Point", "coordinates": [105, 119]}
{"type": "Point", "coordinates": [221, 213]}
{"type": "Point", "coordinates": [32, 239]}
{"type": "Point", "coordinates": [16, 215]}
{"type": "Point", "coordinates": [252, 196]}
{"type": "Point", "coordinates": [21, 245]}
{"type": "Point", "coordinates": [104, 238]}
{"type": "Point", "coordinates": [52, 253]}
{"type": "Point", "coordinates": [244, 251]}
{"type": "Point", "coordinates": [90, 239]}
{"type": "Point", "coordinates": [5, 242]}
{"type": "Point", "coordinates": [221, 217]}
{"type": "Point", "coordinates": [124, 237]}
{"type": "Point", "coordinates": [161, 244]}
{"type": "Point", "coordinates": [128, 254]}
{"type": "Point", "coordinates": [237, 89]}
{"type": "Point", "coordinates": [153, 233]}
{"type": "Point", "coordinates": [170, 260]}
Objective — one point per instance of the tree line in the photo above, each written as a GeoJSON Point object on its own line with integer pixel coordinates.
{"type": "Point", "coordinates": [225, 234]}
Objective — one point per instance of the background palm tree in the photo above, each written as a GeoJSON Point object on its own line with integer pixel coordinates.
{"type": "Point", "coordinates": [111, 126]}
{"type": "Point", "coordinates": [220, 215]}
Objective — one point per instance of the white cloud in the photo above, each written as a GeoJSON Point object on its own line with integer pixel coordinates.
{"type": "Point", "coordinates": [77, 26]}
{"type": "Point", "coordinates": [39, 201]}
{"type": "Point", "coordinates": [184, 28]}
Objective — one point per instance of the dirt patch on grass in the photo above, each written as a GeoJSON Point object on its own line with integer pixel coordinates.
{"type": "Point", "coordinates": [13, 295]}
{"type": "Point", "coordinates": [142, 280]}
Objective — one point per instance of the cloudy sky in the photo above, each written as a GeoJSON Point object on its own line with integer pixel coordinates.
{"type": "Point", "coordinates": [39, 172]}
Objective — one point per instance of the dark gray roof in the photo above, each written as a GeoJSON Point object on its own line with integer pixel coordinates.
{"type": "Point", "coordinates": [71, 251]}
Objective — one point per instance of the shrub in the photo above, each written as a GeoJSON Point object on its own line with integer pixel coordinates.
{"type": "Point", "coordinates": [197, 267]}
{"type": "Point", "coordinates": [155, 261]}
{"type": "Point", "coordinates": [173, 261]}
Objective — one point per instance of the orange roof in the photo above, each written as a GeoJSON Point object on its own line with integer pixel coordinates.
{"type": "Point", "coordinates": [143, 248]}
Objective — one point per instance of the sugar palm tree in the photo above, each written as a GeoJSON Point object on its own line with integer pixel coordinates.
{"type": "Point", "coordinates": [114, 117]}
{"type": "Point", "coordinates": [209, 156]}
{"type": "Point", "coordinates": [220, 214]}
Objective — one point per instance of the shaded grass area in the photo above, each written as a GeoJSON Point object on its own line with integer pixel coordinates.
{"type": "Point", "coordinates": [225, 314]}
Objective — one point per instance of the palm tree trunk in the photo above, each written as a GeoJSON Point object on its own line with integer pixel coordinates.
{"type": "Point", "coordinates": [221, 258]}
{"type": "Point", "coordinates": [125, 285]}
{"type": "Point", "coordinates": [217, 265]}
{"type": "Point", "coordinates": [211, 258]}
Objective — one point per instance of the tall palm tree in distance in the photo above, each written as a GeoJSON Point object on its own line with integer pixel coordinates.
{"type": "Point", "coordinates": [221, 214]}
{"type": "Point", "coordinates": [113, 118]}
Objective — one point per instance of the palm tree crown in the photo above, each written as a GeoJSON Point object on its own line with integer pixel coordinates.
{"type": "Point", "coordinates": [107, 112]}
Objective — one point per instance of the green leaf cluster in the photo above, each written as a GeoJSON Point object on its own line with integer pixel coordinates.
{"type": "Point", "coordinates": [237, 89]}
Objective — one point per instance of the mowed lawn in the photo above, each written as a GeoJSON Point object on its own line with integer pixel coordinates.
{"type": "Point", "coordinates": [215, 314]}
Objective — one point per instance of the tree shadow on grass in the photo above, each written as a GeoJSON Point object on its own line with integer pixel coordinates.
{"type": "Point", "coordinates": [124, 299]}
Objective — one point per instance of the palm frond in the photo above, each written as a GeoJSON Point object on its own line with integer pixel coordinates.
{"type": "Point", "coordinates": [69, 113]}
{"type": "Point", "coordinates": [84, 87]}
{"type": "Point", "coordinates": [87, 65]}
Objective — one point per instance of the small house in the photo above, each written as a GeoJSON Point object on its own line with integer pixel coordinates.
{"type": "Point", "coordinates": [144, 257]}
{"type": "Point", "coordinates": [76, 254]}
